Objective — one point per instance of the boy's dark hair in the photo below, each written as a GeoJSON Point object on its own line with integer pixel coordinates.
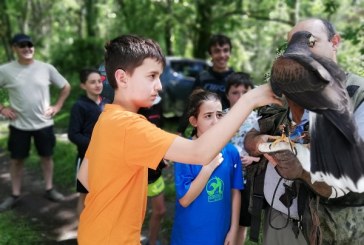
{"type": "Point", "coordinates": [85, 72]}
{"type": "Point", "coordinates": [236, 79]}
{"type": "Point", "coordinates": [218, 39]}
{"type": "Point", "coordinates": [127, 52]}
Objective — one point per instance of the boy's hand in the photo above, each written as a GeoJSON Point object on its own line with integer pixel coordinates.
{"type": "Point", "coordinates": [261, 96]}
{"type": "Point", "coordinates": [247, 160]}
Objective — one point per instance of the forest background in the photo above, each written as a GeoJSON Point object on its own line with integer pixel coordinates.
{"type": "Point", "coordinates": [71, 33]}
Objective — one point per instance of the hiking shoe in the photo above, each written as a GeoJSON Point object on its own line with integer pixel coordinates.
{"type": "Point", "coordinates": [54, 195]}
{"type": "Point", "coordinates": [8, 203]}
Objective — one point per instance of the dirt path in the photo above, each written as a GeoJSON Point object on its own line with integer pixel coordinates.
{"type": "Point", "coordinates": [57, 222]}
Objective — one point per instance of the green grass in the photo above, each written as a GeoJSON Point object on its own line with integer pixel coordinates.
{"type": "Point", "coordinates": [15, 230]}
{"type": "Point", "coordinates": [64, 164]}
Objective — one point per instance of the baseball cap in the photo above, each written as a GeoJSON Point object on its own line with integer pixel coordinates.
{"type": "Point", "coordinates": [21, 37]}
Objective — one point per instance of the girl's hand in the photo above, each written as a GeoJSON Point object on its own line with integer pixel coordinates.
{"type": "Point", "coordinates": [215, 162]}
{"type": "Point", "coordinates": [231, 237]}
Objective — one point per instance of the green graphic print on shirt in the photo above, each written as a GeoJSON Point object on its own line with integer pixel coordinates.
{"type": "Point", "coordinates": [215, 189]}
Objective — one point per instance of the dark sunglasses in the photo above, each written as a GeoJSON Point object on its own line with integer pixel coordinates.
{"type": "Point", "coordinates": [25, 45]}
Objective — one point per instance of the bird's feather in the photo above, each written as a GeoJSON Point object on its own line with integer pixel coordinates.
{"type": "Point", "coordinates": [318, 84]}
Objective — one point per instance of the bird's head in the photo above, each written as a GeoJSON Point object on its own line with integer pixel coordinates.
{"type": "Point", "coordinates": [302, 39]}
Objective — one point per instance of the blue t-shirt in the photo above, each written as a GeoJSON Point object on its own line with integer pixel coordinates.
{"type": "Point", "coordinates": [207, 219]}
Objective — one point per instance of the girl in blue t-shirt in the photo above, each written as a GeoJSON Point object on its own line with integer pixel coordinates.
{"type": "Point", "coordinates": [207, 197]}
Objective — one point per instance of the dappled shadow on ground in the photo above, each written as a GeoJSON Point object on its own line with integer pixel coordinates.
{"type": "Point", "coordinates": [55, 222]}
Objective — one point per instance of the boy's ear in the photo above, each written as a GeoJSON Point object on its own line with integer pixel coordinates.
{"type": "Point", "coordinates": [120, 77]}
{"type": "Point", "coordinates": [83, 86]}
{"type": "Point", "coordinates": [193, 121]}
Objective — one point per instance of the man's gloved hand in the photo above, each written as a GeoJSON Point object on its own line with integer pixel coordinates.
{"type": "Point", "coordinates": [287, 164]}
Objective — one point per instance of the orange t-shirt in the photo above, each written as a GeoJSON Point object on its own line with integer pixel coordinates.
{"type": "Point", "coordinates": [123, 145]}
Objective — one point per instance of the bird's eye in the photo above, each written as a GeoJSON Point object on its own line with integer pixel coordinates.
{"type": "Point", "coordinates": [311, 41]}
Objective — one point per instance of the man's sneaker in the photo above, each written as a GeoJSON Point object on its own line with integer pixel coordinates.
{"type": "Point", "coordinates": [8, 203]}
{"type": "Point", "coordinates": [54, 195]}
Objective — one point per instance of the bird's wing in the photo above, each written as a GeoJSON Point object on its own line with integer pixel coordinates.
{"type": "Point", "coordinates": [316, 84]}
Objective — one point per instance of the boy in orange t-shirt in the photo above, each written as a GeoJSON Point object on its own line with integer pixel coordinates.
{"type": "Point", "coordinates": [124, 144]}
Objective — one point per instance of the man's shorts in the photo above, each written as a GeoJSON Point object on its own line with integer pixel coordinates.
{"type": "Point", "coordinates": [156, 188]}
{"type": "Point", "coordinates": [19, 142]}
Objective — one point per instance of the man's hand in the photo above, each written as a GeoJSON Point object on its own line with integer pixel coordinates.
{"type": "Point", "coordinates": [253, 139]}
{"type": "Point", "coordinates": [287, 164]}
{"type": "Point", "coordinates": [51, 111]}
{"type": "Point", "coordinates": [8, 113]}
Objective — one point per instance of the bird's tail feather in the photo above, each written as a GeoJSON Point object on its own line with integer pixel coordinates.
{"type": "Point", "coordinates": [336, 158]}
{"type": "Point", "coordinates": [344, 123]}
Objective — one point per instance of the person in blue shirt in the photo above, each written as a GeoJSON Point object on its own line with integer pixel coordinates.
{"type": "Point", "coordinates": [207, 197]}
{"type": "Point", "coordinates": [84, 114]}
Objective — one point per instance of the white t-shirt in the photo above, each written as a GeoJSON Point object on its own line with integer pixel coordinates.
{"type": "Point", "coordinates": [29, 95]}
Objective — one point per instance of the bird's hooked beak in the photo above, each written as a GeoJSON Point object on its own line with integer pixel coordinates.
{"type": "Point", "coordinates": [311, 41]}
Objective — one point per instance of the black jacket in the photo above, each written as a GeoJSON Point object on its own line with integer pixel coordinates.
{"type": "Point", "coordinates": [84, 115]}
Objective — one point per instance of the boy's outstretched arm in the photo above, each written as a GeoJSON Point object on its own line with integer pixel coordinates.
{"type": "Point", "coordinates": [209, 144]}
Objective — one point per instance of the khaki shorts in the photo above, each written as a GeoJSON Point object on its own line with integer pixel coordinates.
{"type": "Point", "coordinates": [156, 188]}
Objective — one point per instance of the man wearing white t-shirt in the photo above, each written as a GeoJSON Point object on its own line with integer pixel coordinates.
{"type": "Point", "coordinates": [30, 113]}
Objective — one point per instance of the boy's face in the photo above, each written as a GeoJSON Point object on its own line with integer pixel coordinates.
{"type": "Point", "coordinates": [144, 84]}
{"type": "Point", "coordinates": [235, 92]}
{"type": "Point", "coordinates": [220, 56]}
{"type": "Point", "coordinates": [93, 85]}
{"type": "Point", "coordinates": [210, 112]}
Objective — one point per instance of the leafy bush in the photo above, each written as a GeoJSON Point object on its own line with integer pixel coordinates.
{"type": "Point", "coordinates": [71, 58]}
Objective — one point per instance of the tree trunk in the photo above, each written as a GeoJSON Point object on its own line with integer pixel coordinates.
{"type": "Point", "coordinates": [203, 26]}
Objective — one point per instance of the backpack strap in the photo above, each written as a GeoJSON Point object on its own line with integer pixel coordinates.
{"type": "Point", "coordinates": [271, 117]}
{"type": "Point", "coordinates": [355, 88]}
{"type": "Point", "coordinates": [258, 204]}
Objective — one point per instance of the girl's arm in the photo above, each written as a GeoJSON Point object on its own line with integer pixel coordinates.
{"type": "Point", "coordinates": [209, 144]}
{"type": "Point", "coordinates": [231, 237]}
{"type": "Point", "coordinates": [199, 183]}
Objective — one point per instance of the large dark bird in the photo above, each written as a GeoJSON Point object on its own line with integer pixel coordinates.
{"type": "Point", "coordinates": [318, 85]}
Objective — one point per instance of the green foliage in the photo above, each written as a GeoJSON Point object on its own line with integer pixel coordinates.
{"type": "Point", "coordinates": [71, 57]}
{"type": "Point", "coordinates": [65, 164]}
{"type": "Point", "coordinates": [15, 230]}
{"type": "Point", "coordinates": [71, 33]}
